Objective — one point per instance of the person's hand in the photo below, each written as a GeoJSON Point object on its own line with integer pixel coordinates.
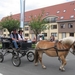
{"type": "Point", "coordinates": [16, 40]}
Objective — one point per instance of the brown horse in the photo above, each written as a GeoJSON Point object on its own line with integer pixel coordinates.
{"type": "Point", "coordinates": [58, 49]}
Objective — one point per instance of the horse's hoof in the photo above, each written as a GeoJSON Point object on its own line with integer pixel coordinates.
{"type": "Point", "coordinates": [44, 67]}
{"type": "Point", "coordinates": [36, 64]}
{"type": "Point", "coordinates": [62, 69]}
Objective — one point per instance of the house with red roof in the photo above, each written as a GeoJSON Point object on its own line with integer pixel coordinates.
{"type": "Point", "coordinates": [61, 19]}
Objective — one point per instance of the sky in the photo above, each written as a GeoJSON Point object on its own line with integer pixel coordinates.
{"type": "Point", "coordinates": [8, 7]}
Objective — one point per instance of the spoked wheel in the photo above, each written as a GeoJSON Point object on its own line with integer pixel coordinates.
{"type": "Point", "coordinates": [30, 56]}
{"type": "Point", "coordinates": [16, 60]}
{"type": "Point", "coordinates": [1, 57]}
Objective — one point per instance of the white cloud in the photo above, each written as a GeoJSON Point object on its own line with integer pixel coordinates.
{"type": "Point", "coordinates": [8, 7]}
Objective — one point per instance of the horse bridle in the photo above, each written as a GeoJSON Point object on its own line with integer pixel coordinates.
{"type": "Point", "coordinates": [73, 52]}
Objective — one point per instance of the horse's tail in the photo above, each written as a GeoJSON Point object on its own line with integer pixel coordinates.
{"type": "Point", "coordinates": [36, 56]}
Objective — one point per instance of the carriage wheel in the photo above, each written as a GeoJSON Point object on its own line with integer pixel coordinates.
{"type": "Point", "coordinates": [30, 56]}
{"type": "Point", "coordinates": [16, 60]}
{"type": "Point", "coordinates": [1, 57]}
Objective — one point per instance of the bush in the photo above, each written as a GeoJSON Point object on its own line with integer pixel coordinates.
{"type": "Point", "coordinates": [33, 45]}
{"type": "Point", "coordinates": [0, 45]}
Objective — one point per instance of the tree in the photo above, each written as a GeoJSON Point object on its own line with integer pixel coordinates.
{"type": "Point", "coordinates": [10, 23]}
{"type": "Point", "coordinates": [38, 24]}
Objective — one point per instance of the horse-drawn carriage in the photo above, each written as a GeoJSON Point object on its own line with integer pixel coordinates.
{"type": "Point", "coordinates": [58, 49]}
{"type": "Point", "coordinates": [8, 47]}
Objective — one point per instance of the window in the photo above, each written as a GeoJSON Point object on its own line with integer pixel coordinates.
{"type": "Point", "coordinates": [4, 34]}
{"type": "Point", "coordinates": [53, 19]}
{"type": "Point", "coordinates": [70, 25]}
{"type": "Point", "coordinates": [53, 26]}
{"type": "Point", "coordinates": [26, 28]}
{"type": "Point", "coordinates": [61, 17]}
{"type": "Point", "coordinates": [4, 30]}
{"type": "Point", "coordinates": [55, 34]}
{"type": "Point", "coordinates": [62, 25]}
{"type": "Point", "coordinates": [26, 35]}
{"type": "Point", "coordinates": [64, 10]}
{"type": "Point", "coordinates": [47, 19]}
{"type": "Point", "coordinates": [8, 34]}
{"type": "Point", "coordinates": [71, 34]}
{"type": "Point", "coordinates": [72, 16]}
{"type": "Point", "coordinates": [50, 19]}
{"type": "Point", "coordinates": [45, 34]}
{"type": "Point", "coordinates": [63, 35]}
{"type": "Point", "coordinates": [58, 11]}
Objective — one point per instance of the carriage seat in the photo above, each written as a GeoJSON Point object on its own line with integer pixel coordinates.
{"type": "Point", "coordinates": [26, 45]}
{"type": "Point", "coordinates": [6, 42]}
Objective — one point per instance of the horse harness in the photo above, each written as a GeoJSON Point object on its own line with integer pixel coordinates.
{"type": "Point", "coordinates": [56, 49]}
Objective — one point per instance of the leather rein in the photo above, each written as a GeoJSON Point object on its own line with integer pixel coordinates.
{"type": "Point", "coordinates": [56, 49]}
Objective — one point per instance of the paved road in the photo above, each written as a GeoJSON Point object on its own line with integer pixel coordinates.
{"type": "Point", "coordinates": [28, 68]}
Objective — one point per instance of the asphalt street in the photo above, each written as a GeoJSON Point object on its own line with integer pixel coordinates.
{"type": "Point", "coordinates": [28, 68]}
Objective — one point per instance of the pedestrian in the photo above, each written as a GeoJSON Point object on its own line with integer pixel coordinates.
{"type": "Point", "coordinates": [40, 38]}
{"type": "Point", "coordinates": [52, 38]}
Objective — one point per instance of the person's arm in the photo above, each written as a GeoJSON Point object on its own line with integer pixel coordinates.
{"type": "Point", "coordinates": [11, 36]}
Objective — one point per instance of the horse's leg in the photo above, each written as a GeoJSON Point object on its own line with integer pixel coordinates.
{"type": "Point", "coordinates": [40, 59]}
{"type": "Point", "coordinates": [36, 57]}
{"type": "Point", "coordinates": [63, 63]}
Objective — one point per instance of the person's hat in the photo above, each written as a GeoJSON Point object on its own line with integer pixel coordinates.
{"type": "Point", "coordinates": [20, 31]}
{"type": "Point", "coordinates": [14, 29]}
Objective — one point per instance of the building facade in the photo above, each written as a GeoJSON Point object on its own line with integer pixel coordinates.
{"type": "Point", "coordinates": [66, 28]}
{"type": "Point", "coordinates": [61, 19]}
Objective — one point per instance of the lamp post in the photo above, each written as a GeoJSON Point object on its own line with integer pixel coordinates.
{"type": "Point", "coordinates": [22, 15]}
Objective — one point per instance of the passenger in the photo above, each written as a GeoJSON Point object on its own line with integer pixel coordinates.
{"type": "Point", "coordinates": [21, 38]}
{"type": "Point", "coordinates": [14, 36]}
{"type": "Point", "coordinates": [52, 38]}
{"type": "Point", "coordinates": [20, 35]}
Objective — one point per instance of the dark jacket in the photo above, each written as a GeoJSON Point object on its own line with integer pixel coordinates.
{"type": "Point", "coordinates": [13, 35]}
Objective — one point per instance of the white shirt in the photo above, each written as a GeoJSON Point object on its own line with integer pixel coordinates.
{"type": "Point", "coordinates": [21, 38]}
{"type": "Point", "coordinates": [40, 38]}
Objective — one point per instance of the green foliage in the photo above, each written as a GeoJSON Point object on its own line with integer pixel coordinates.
{"type": "Point", "coordinates": [10, 23]}
{"type": "Point", "coordinates": [38, 24]}
{"type": "Point", "coordinates": [0, 45]}
{"type": "Point", "coordinates": [33, 45]}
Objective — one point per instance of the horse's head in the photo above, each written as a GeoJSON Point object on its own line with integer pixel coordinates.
{"type": "Point", "coordinates": [70, 41]}
{"type": "Point", "coordinates": [73, 48]}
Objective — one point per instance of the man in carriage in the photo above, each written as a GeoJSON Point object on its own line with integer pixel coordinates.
{"type": "Point", "coordinates": [14, 37]}
{"type": "Point", "coordinates": [17, 38]}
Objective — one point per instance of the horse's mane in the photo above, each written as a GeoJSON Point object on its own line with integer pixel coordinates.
{"type": "Point", "coordinates": [68, 40]}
